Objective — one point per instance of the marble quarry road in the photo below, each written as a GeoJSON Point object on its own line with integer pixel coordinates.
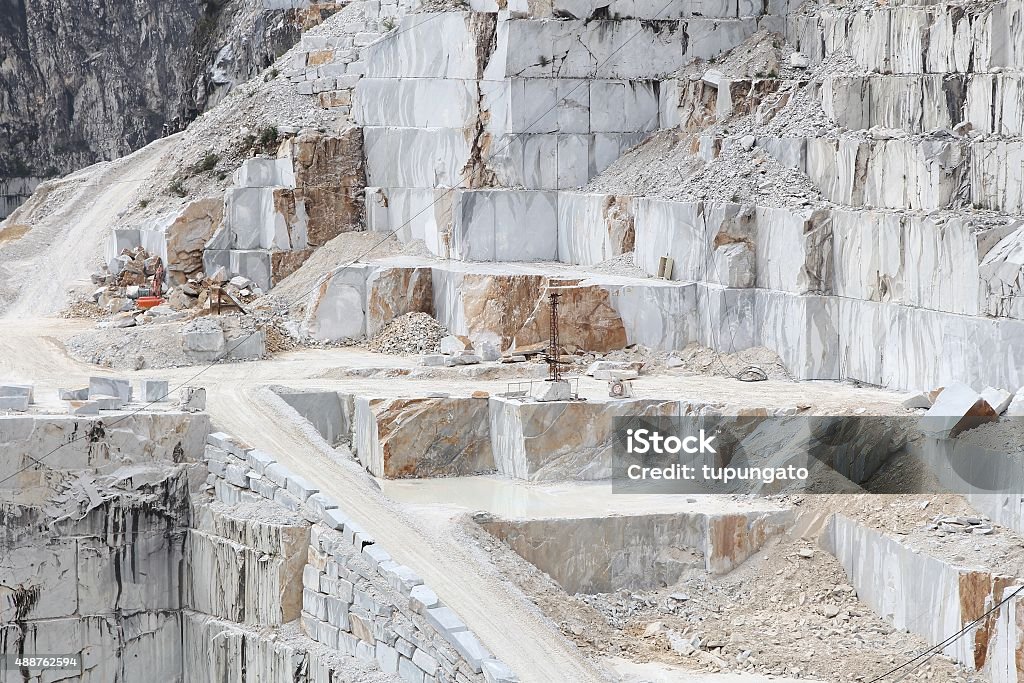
{"type": "Point", "coordinates": [239, 403]}
{"type": "Point", "coordinates": [59, 246]}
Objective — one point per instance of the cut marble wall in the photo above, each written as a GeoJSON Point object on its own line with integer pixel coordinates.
{"type": "Point", "coordinates": [913, 39]}
{"type": "Point", "coordinates": [624, 552]}
{"type": "Point", "coordinates": [137, 438]}
{"type": "Point", "coordinates": [504, 225]}
{"type": "Point", "coordinates": [413, 214]}
{"type": "Point", "coordinates": [337, 308]}
{"type": "Point", "coordinates": [423, 437]}
{"type": "Point", "coordinates": [593, 228]}
{"type": "Point", "coordinates": [566, 440]}
{"type": "Point", "coordinates": [926, 595]}
{"type": "Point", "coordinates": [329, 412]}
{"type": "Point", "coordinates": [991, 480]}
{"type": "Point", "coordinates": [901, 346]}
{"type": "Point", "coordinates": [393, 292]}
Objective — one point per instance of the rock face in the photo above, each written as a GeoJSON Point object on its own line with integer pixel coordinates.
{"type": "Point", "coordinates": [596, 325]}
{"type": "Point", "coordinates": [88, 82]}
{"type": "Point", "coordinates": [329, 180]}
{"type": "Point", "coordinates": [396, 291]}
{"type": "Point", "coordinates": [400, 438]}
{"type": "Point", "coordinates": [607, 554]}
{"type": "Point", "coordinates": [951, 597]}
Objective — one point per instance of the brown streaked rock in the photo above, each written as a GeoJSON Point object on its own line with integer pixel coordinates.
{"type": "Point", "coordinates": [396, 291]}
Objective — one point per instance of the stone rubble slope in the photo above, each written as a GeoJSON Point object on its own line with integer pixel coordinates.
{"type": "Point", "coordinates": [789, 610]}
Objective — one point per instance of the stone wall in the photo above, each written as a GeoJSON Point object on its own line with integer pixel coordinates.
{"type": "Point", "coordinates": [356, 600]}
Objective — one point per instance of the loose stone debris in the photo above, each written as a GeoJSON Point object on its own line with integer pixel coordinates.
{"type": "Point", "coordinates": [409, 334]}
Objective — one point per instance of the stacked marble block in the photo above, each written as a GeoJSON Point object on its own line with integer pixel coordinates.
{"type": "Point", "coordinates": [355, 598]}
{"type": "Point", "coordinates": [260, 216]}
{"type": "Point", "coordinates": [280, 210]}
{"type": "Point", "coordinates": [328, 67]}
{"type": "Point", "coordinates": [934, 597]}
{"type": "Point", "coordinates": [492, 121]}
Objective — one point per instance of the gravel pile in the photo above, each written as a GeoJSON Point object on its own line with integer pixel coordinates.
{"type": "Point", "coordinates": [743, 173]}
{"type": "Point", "coordinates": [412, 333]}
{"type": "Point", "coordinates": [623, 265]}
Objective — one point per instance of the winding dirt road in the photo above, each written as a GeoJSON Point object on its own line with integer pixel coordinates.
{"type": "Point", "coordinates": [61, 249]}
{"type": "Point", "coordinates": [502, 617]}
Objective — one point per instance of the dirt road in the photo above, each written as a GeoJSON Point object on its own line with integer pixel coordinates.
{"type": "Point", "coordinates": [512, 629]}
{"type": "Point", "coordinates": [62, 245]}
{"type": "Point", "coordinates": [239, 402]}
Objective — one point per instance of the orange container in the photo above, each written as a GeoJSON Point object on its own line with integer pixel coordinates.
{"type": "Point", "coordinates": [145, 302]}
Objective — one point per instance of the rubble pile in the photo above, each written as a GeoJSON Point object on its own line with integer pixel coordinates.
{"type": "Point", "coordinates": [951, 524]}
{"type": "Point", "coordinates": [126, 291]}
{"type": "Point", "coordinates": [412, 333]}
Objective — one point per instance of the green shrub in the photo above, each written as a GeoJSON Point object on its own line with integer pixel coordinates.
{"type": "Point", "coordinates": [268, 136]}
{"type": "Point", "coordinates": [208, 163]}
{"type": "Point", "coordinates": [177, 188]}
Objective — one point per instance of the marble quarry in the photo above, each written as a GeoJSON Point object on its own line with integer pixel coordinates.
{"type": "Point", "coordinates": [521, 438]}
{"type": "Point", "coordinates": [504, 135]}
{"type": "Point", "coordinates": [477, 146]}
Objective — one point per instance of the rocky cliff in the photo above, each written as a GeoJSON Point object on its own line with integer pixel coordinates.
{"type": "Point", "coordinates": [83, 82]}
